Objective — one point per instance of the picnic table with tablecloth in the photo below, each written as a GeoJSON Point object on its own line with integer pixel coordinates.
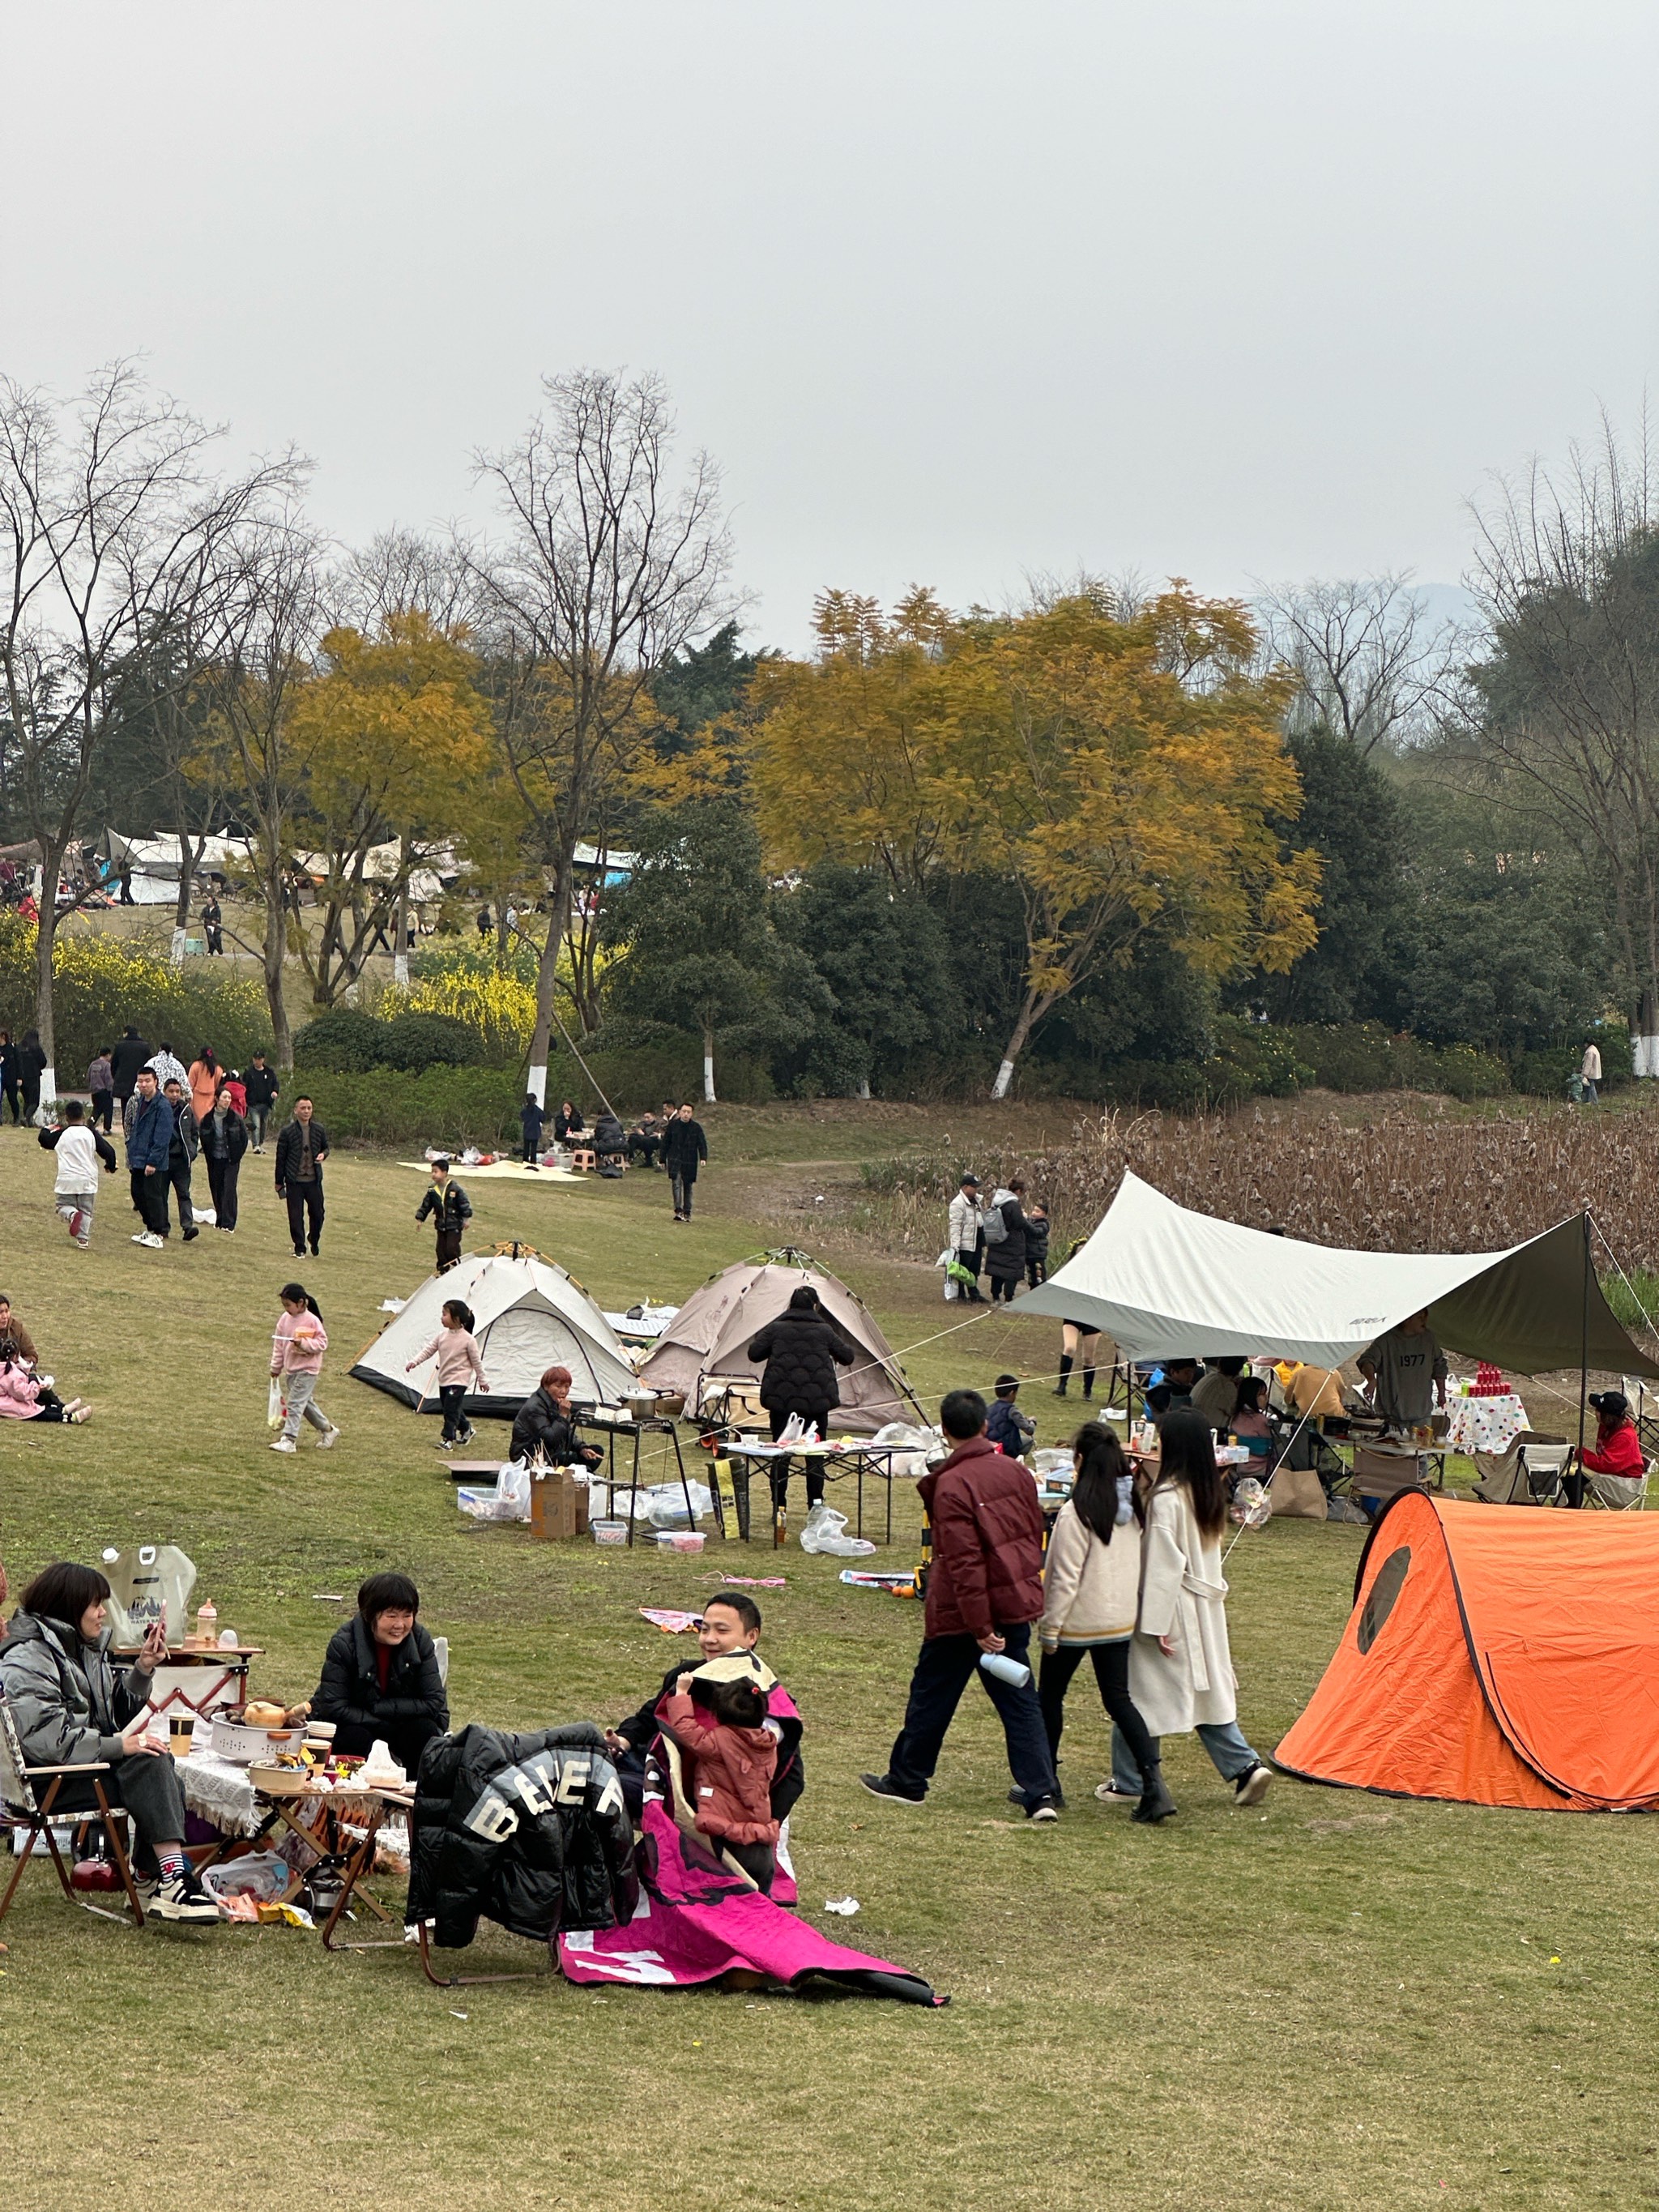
{"type": "Point", "coordinates": [1484, 1425]}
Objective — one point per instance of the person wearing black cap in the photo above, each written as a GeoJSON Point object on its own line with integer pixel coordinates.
{"type": "Point", "coordinates": [967, 1239]}
{"type": "Point", "coordinates": [1614, 1471]}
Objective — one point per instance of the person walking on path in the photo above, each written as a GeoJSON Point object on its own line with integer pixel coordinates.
{"type": "Point", "coordinates": [296, 1359]}
{"type": "Point", "coordinates": [461, 1365]}
{"type": "Point", "coordinates": [798, 1354]}
{"type": "Point", "coordinates": [1005, 1254]}
{"type": "Point", "coordinates": [301, 1148]}
{"type": "Point", "coordinates": [966, 1238]}
{"type": "Point", "coordinates": [984, 1591]}
{"type": "Point", "coordinates": [150, 1135]}
{"type": "Point", "coordinates": [451, 1210]}
{"type": "Point", "coordinates": [204, 1078]}
{"type": "Point", "coordinates": [132, 1054]}
{"type": "Point", "coordinates": [224, 1144]}
{"type": "Point", "coordinates": [1181, 1667]}
{"type": "Point", "coordinates": [31, 1067]}
{"type": "Point", "coordinates": [182, 1149]}
{"type": "Point", "coordinates": [79, 1149]}
{"type": "Point", "coordinates": [1090, 1585]}
{"type": "Point", "coordinates": [101, 1084]}
{"type": "Point", "coordinates": [261, 1084]}
{"type": "Point", "coordinates": [213, 924]}
{"type": "Point", "coordinates": [684, 1149]}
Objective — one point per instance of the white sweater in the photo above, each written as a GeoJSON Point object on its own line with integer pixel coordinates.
{"type": "Point", "coordinates": [76, 1155]}
{"type": "Point", "coordinates": [1089, 1588]}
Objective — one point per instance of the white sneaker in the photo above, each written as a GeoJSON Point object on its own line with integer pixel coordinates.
{"type": "Point", "coordinates": [330, 1437]}
{"type": "Point", "coordinates": [150, 1241]}
{"type": "Point", "coordinates": [285, 1444]}
{"type": "Point", "coordinates": [182, 1899]}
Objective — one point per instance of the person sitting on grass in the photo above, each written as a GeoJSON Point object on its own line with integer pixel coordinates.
{"type": "Point", "coordinates": [459, 1360]}
{"type": "Point", "coordinates": [75, 1187]}
{"type": "Point", "coordinates": [730, 1627]}
{"type": "Point", "coordinates": [73, 1708]}
{"type": "Point", "coordinates": [381, 1677]}
{"type": "Point", "coordinates": [721, 1727]}
{"type": "Point", "coordinates": [26, 1397]}
{"type": "Point", "coordinates": [1005, 1425]}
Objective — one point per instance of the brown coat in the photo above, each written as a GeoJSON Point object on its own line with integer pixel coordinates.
{"type": "Point", "coordinates": [732, 1770]}
{"type": "Point", "coordinates": [988, 1542]}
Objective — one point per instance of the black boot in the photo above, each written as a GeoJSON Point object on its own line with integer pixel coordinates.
{"type": "Point", "coordinates": [1156, 1802]}
{"type": "Point", "coordinates": [1088, 1382]}
{"type": "Point", "coordinates": [1065, 1370]}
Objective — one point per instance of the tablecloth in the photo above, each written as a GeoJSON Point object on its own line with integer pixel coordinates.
{"type": "Point", "coordinates": [1485, 1425]}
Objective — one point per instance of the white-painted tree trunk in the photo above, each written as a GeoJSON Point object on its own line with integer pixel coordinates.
{"type": "Point", "coordinates": [400, 970]}
{"type": "Point", "coordinates": [48, 1094]}
{"type": "Point", "coordinates": [535, 1083]}
{"type": "Point", "coordinates": [709, 1069]}
{"type": "Point", "coordinates": [864, 1087]}
{"type": "Point", "coordinates": [1645, 1055]}
{"type": "Point", "coordinates": [178, 954]}
{"type": "Point", "coordinates": [1004, 1076]}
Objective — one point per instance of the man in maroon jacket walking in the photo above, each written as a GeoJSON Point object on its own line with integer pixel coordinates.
{"type": "Point", "coordinates": [984, 1590]}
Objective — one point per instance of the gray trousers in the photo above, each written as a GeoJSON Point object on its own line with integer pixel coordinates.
{"type": "Point", "coordinates": [69, 1203]}
{"type": "Point", "coordinates": [299, 1393]}
{"type": "Point", "coordinates": [146, 1784]}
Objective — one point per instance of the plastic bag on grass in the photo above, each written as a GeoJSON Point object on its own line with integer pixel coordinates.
{"type": "Point", "coordinates": [826, 1532]}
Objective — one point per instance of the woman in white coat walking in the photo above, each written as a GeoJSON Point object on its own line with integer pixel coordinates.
{"type": "Point", "coordinates": [1090, 1586]}
{"type": "Point", "coordinates": [1180, 1669]}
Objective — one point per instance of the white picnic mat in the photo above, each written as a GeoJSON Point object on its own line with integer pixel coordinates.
{"type": "Point", "coordinates": [501, 1170]}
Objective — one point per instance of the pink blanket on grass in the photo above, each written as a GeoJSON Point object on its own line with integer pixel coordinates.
{"type": "Point", "coordinates": [697, 1922]}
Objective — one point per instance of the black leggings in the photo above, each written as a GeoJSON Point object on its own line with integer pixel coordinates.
{"type": "Point", "coordinates": [779, 1467]}
{"type": "Point", "coordinates": [1112, 1673]}
{"type": "Point", "coordinates": [452, 1397]}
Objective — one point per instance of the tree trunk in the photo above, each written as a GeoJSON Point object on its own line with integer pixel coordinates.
{"type": "Point", "coordinates": [708, 1097]}
{"type": "Point", "coordinates": [181, 911]}
{"type": "Point", "coordinates": [46, 941]}
{"type": "Point", "coordinates": [400, 939]}
{"type": "Point", "coordinates": [1645, 1044]}
{"type": "Point", "coordinates": [547, 976]}
{"type": "Point", "coordinates": [1023, 1028]}
{"type": "Point", "coordinates": [275, 947]}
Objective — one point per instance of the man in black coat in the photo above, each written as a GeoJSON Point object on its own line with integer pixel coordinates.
{"type": "Point", "coordinates": [685, 1148]}
{"type": "Point", "coordinates": [183, 1146]}
{"type": "Point", "coordinates": [798, 1354]}
{"type": "Point", "coordinates": [124, 1062]}
{"type": "Point", "coordinates": [380, 1676]}
{"type": "Point", "coordinates": [261, 1084]}
{"type": "Point", "coordinates": [300, 1151]}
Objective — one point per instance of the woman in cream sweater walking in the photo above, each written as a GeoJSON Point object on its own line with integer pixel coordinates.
{"type": "Point", "coordinates": [1090, 1584]}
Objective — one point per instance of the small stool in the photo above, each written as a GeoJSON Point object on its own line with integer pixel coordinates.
{"type": "Point", "coordinates": [584, 1161]}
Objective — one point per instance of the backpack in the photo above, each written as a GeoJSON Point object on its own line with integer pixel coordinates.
{"type": "Point", "coordinates": [994, 1224]}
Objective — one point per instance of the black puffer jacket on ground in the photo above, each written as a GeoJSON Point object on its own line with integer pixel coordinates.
{"type": "Point", "coordinates": [529, 1830]}
{"type": "Point", "coordinates": [801, 1350]}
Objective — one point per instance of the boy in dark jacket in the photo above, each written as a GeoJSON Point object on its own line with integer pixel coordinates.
{"type": "Point", "coordinates": [380, 1676]}
{"type": "Point", "coordinates": [182, 1149]}
{"type": "Point", "coordinates": [984, 1590]}
{"type": "Point", "coordinates": [1037, 1244]}
{"type": "Point", "coordinates": [1004, 1425]}
{"type": "Point", "coordinates": [261, 1084]}
{"type": "Point", "coordinates": [451, 1209]}
{"type": "Point", "coordinates": [149, 1140]}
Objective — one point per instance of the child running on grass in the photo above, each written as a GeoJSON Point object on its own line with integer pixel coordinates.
{"type": "Point", "coordinates": [297, 1350]}
{"type": "Point", "coordinates": [79, 1149]}
{"type": "Point", "coordinates": [733, 1755]}
{"type": "Point", "coordinates": [456, 1350]}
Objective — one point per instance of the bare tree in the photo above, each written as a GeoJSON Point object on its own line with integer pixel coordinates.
{"type": "Point", "coordinates": [105, 506]}
{"type": "Point", "coordinates": [606, 570]}
{"type": "Point", "coordinates": [1568, 701]}
{"type": "Point", "coordinates": [1369, 663]}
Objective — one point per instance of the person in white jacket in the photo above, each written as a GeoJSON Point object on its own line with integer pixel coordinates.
{"type": "Point", "coordinates": [74, 1187]}
{"type": "Point", "coordinates": [1180, 1669]}
{"type": "Point", "coordinates": [964, 1235]}
{"type": "Point", "coordinates": [1090, 1585]}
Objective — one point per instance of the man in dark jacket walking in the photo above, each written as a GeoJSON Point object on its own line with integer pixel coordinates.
{"type": "Point", "coordinates": [684, 1147]}
{"type": "Point", "coordinates": [300, 1151]}
{"type": "Point", "coordinates": [150, 1143]}
{"type": "Point", "coordinates": [183, 1146]}
{"type": "Point", "coordinates": [984, 1590]}
{"type": "Point", "coordinates": [798, 1354]}
{"type": "Point", "coordinates": [451, 1209]}
{"type": "Point", "coordinates": [261, 1084]}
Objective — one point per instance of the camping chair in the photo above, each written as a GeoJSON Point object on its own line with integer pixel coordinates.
{"type": "Point", "coordinates": [1636, 1504]}
{"type": "Point", "coordinates": [22, 1812]}
{"type": "Point", "coordinates": [1542, 1466]}
{"type": "Point", "coordinates": [1643, 1410]}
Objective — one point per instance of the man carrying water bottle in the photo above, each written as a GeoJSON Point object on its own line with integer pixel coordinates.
{"type": "Point", "coordinates": [984, 1590]}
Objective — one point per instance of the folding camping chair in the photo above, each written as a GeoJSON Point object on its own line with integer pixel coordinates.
{"type": "Point", "coordinates": [1541, 1467]}
{"type": "Point", "coordinates": [22, 1812]}
{"type": "Point", "coordinates": [1636, 1504]}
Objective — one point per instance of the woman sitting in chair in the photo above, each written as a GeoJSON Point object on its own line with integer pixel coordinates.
{"type": "Point", "coordinates": [380, 1676]}
{"type": "Point", "coordinates": [72, 1708]}
{"type": "Point", "coordinates": [1614, 1472]}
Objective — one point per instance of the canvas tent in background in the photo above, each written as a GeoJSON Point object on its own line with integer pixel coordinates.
{"type": "Point", "coordinates": [1495, 1655]}
{"type": "Point", "coordinates": [1166, 1283]}
{"type": "Point", "coordinates": [707, 1340]}
{"type": "Point", "coordinates": [528, 1315]}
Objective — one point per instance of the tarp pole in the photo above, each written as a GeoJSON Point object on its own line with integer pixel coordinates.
{"type": "Point", "coordinates": [1583, 1339]}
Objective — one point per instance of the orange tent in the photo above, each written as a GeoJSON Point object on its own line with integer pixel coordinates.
{"type": "Point", "coordinates": [1496, 1655]}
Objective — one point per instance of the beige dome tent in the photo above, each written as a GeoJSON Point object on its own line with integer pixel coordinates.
{"type": "Point", "coordinates": [528, 1314]}
{"type": "Point", "coordinates": [707, 1340]}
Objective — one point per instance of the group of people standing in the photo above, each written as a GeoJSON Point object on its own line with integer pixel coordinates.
{"type": "Point", "coordinates": [1006, 1239]}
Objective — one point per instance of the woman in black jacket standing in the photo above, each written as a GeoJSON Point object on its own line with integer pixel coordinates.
{"type": "Point", "coordinates": [31, 1067]}
{"type": "Point", "coordinates": [380, 1676]}
{"type": "Point", "coordinates": [224, 1141]}
{"type": "Point", "coordinates": [1004, 1259]}
{"type": "Point", "coordinates": [800, 1351]}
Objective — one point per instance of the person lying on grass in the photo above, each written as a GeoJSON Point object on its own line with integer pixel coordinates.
{"type": "Point", "coordinates": [731, 1624]}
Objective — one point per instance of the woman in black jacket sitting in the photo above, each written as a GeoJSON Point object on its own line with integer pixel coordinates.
{"type": "Point", "coordinates": [380, 1676]}
{"type": "Point", "coordinates": [545, 1427]}
{"type": "Point", "coordinates": [800, 1352]}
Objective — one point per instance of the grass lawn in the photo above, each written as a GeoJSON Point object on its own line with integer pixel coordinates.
{"type": "Point", "coordinates": [1339, 2000]}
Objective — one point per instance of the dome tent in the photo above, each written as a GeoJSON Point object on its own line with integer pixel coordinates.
{"type": "Point", "coordinates": [708, 1339]}
{"type": "Point", "coordinates": [528, 1315]}
{"type": "Point", "coordinates": [1495, 1655]}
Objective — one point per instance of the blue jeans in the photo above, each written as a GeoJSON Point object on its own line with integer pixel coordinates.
{"type": "Point", "coordinates": [1224, 1740]}
{"type": "Point", "coordinates": [944, 1666]}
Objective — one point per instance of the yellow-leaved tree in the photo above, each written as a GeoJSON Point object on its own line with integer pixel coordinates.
{"type": "Point", "coordinates": [1120, 768]}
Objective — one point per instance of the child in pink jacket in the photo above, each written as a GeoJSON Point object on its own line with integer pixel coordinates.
{"type": "Point", "coordinates": [296, 1357]}
{"type": "Point", "coordinates": [459, 1363]}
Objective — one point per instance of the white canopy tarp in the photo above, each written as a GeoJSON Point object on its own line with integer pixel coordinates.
{"type": "Point", "coordinates": [1165, 1282]}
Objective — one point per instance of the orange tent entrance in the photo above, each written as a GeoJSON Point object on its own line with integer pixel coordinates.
{"type": "Point", "coordinates": [1496, 1655]}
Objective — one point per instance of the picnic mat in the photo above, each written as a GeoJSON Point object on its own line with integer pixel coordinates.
{"type": "Point", "coordinates": [505, 1170]}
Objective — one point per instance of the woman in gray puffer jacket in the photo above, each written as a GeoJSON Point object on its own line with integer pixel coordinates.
{"type": "Point", "coordinates": [72, 1707]}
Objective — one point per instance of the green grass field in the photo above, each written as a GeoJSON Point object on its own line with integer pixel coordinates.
{"type": "Point", "coordinates": [1339, 2000]}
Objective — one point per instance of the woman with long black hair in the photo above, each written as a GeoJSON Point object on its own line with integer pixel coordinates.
{"type": "Point", "coordinates": [1181, 1667]}
{"type": "Point", "coordinates": [1090, 1585]}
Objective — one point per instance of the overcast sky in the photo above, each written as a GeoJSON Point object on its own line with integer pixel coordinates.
{"type": "Point", "coordinates": [954, 292]}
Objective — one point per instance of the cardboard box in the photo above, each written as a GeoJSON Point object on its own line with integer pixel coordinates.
{"type": "Point", "coordinates": [558, 1507]}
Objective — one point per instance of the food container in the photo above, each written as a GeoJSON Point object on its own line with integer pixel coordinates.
{"type": "Point", "coordinates": [241, 1744]}
{"type": "Point", "coordinates": [274, 1781]}
{"type": "Point", "coordinates": [643, 1405]}
{"type": "Point", "coordinates": [610, 1532]}
{"type": "Point", "coordinates": [684, 1539]}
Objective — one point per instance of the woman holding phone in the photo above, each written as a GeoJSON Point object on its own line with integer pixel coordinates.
{"type": "Point", "coordinates": [74, 1707]}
